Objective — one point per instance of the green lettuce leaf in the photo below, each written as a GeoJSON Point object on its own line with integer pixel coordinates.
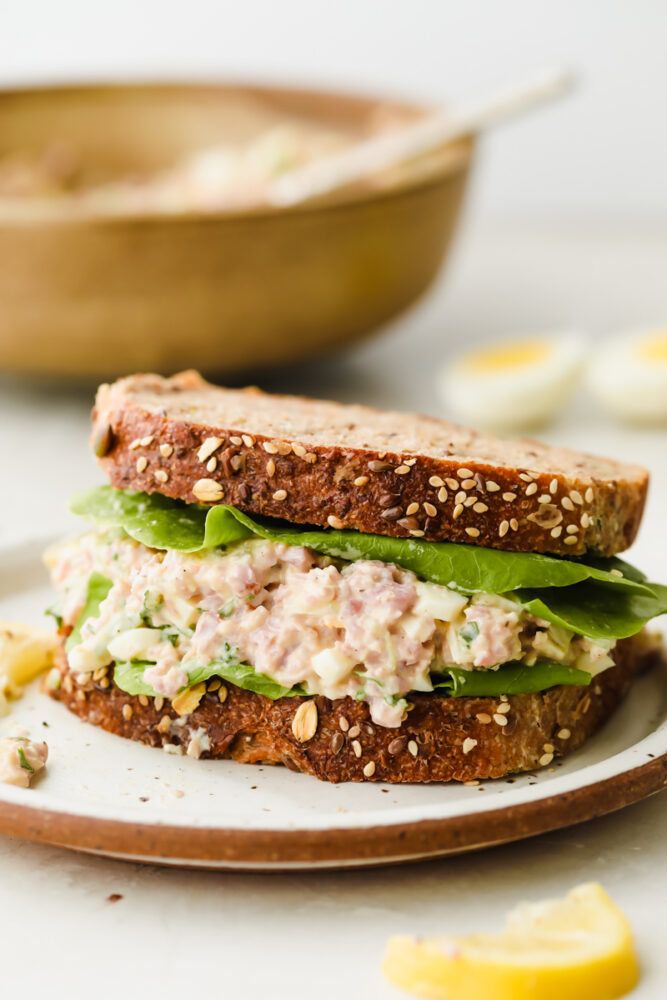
{"type": "Point", "coordinates": [586, 596]}
{"type": "Point", "coordinates": [55, 612]}
{"type": "Point", "coordinates": [98, 588]}
{"type": "Point", "coordinates": [511, 678]}
{"type": "Point", "coordinates": [162, 523]}
{"type": "Point", "coordinates": [152, 519]}
{"type": "Point", "coordinates": [245, 677]}
{"type": "Point", "coordinates": [467, 568]}
{"type": "Point", "coordinates": [129, 677]}
{"type": "Point", "coordinates": [597, 611]}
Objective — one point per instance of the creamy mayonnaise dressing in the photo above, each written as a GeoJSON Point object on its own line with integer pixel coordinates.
{"type": "Point", "coordinates": [364, 629]}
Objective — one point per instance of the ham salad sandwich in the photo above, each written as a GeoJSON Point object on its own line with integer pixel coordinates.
{"type": "Point", "coordinates": [357, 594]}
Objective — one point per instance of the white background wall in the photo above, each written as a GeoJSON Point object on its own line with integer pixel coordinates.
{"type": "Point", "coordinates": [600, 155]}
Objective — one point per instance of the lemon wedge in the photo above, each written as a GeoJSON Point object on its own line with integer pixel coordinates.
{"type": "Point", "coordinates": [25, 652]}
{"type": "Point", "coordinates": [576, 948]}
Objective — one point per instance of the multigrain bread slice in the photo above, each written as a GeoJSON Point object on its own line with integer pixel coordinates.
{"type": "Point", "coordinates": [442, 739]}
{"type": "Point", "coordinates": [399, 474]}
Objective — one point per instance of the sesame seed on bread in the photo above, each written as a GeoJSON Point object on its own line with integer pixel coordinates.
{"type": "Point", "coordinates": [442, 739]}
{"type": "Point", "coordinates": [379, 471]}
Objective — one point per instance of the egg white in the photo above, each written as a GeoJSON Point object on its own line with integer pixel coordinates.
{"type": "Point", "coordinates": [513, 385]}
{"type": "Point", "coordinates": [628, 376]}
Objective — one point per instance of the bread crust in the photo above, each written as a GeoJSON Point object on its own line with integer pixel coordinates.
{"type": "Point", "coordinates": [529, 499]}
{"type": "Point", "coordinates": [442, 739]}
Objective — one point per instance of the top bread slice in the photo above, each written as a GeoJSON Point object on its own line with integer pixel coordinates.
{"type": "Point", "coordinates": [389, 473]}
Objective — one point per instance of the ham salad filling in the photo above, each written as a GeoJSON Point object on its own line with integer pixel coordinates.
{"type": "Point", "coordinates": [364, 629]}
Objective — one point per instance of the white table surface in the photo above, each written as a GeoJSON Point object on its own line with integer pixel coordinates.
{"type": "Point", "coordinates": [258, 936]}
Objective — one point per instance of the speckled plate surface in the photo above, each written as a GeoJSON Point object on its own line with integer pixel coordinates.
{"type": "Point", "coordinates": [108, 796]}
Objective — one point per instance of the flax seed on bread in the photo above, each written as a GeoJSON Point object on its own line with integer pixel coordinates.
{"type": "Point", "coordinates": [326, 464]}
{"type": "Point", "coordinates": [442, 739]}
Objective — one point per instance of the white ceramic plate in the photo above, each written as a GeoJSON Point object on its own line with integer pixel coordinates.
{"type": "Point", "coordinates": [109, 796]}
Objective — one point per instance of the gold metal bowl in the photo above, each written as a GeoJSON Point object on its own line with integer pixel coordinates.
{"type": "Point", "coordinates": [90, 294]}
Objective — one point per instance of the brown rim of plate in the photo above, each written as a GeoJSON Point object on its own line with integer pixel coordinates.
{"type": "Point", "coordinates": [420, 179]}
{"type": "Point", "coordinates": [333, 848]}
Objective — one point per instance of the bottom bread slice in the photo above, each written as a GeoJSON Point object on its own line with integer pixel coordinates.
{"type": "Point", "coordinates": [442, 739]}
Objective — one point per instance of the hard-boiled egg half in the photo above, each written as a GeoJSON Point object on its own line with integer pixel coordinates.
{"type": "Point", "coordinates": [515, 384]}
{"type": "Point", "coordinates": [628, 376]}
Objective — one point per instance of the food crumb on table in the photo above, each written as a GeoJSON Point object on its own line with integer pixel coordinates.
{"type": "Point", "coordinates": [21, 759]}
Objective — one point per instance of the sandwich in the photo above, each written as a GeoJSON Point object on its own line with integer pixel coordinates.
{"type": "Point", "coordinates": [360, 595]}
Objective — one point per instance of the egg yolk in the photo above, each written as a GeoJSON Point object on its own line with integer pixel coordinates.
{"type": "Point", "coordinates": [518, 354]}
{"type": "Point", "coordinates": [654, 348]}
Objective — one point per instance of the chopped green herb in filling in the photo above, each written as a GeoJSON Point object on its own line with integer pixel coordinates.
{"type": "Point", "coordinates": [23, 761]}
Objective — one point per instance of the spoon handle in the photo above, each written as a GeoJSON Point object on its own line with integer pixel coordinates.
{"type": "Point", "coordinates": [427, 133]}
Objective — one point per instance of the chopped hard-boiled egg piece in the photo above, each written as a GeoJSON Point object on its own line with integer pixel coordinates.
{"type": "Point", "coordinates": [512, 385]}
{"type": "Point", "coordinates": [25, 652]}
{"type": "Point", "coordinates": [438, 602]}
{"type": "Point", "coordinates": [131, 644]}
{"type": "Point", "coordinates": [332, 665]}
{"type": "Point", "coordinates": [628, 376]}
{"type": "Point", "coordinates": [579, 947]}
